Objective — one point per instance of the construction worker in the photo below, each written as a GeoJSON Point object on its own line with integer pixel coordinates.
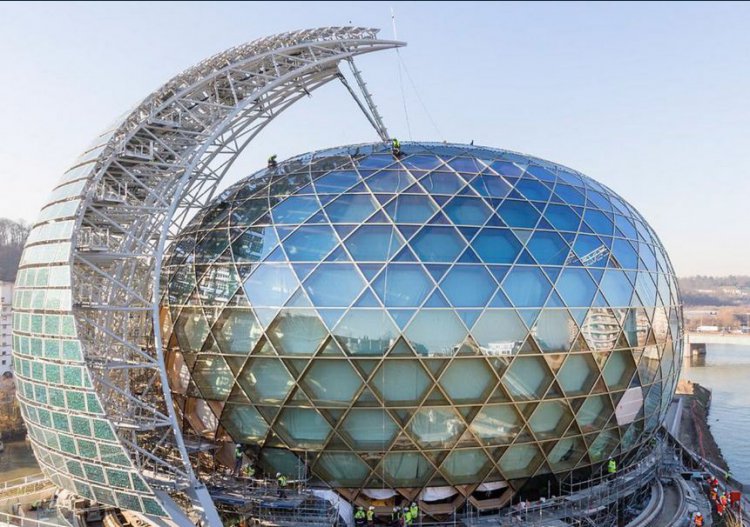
{"type": "Point", "coordinates": [359, 516]}
{"type": "Point", "coordinates": [414, 512]}
{"type": "Point", "coordinates": [396, 147]}
{"type": "Point", "coordinates": [611, 467]}
{"type": "Point", "coordinates": [281, 481]}
{"type": "Point", "coordinates": [698, 520]}
{"type": "Point", "coordinates": [272, 162]}
{"type": "Point", "coordinates": [249, 471]}
{"type": "Point", "coordinates": [238, 453]}
{"type": "Point", "coordinates": [370, 516]}
{"type": "Point", "coordinates": [407, 520]}
{"type": "Point", "coordinates": [395, 517]}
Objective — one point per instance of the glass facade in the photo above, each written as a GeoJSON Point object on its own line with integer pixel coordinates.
{"type": "Point", "coordinates": [453, 316]}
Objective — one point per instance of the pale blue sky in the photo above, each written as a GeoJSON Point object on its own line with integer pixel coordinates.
{"type": "Point", "coordinates": [650, 99]}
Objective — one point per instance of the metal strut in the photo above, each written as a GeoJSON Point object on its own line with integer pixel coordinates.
{"type": "Point", "coordinates": [371, 110]}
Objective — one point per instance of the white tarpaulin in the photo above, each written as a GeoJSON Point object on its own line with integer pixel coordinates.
{"type": "Point", "coordinates": [494, 485]}
{"type": "Point", "coordinates": [629, 406]}
{"type": "Point", "coordinates": [379, 494]}
{"type": "Point", "coordinates": [437, 493]}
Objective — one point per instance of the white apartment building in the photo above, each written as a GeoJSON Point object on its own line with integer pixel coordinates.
{"type": "Point", "coordinates": [6, 325]}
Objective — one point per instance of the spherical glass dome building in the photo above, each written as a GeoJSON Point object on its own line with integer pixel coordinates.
{"type": "Point", "coordinates": [456, 318]}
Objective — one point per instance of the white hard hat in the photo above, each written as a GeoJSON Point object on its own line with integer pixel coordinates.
{"type": "Point", "coordinates": [371, 508]}
{"type": "Point", "coordinates": [395, 509]}
{"type": "Point", "coordinates": [278, 474]}
{"type": "Point", "coordinates": [238, 445]}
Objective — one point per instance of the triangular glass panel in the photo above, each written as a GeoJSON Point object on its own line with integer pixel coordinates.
{"type": "Point", "coordinates": [268, 412]}
{"type": "Point", "coordinates": [599, 301]}
{"type": "Point", "coordinates": [552, 273]}
{"type": "Point", "coordinates": [580, 344]}
{"type": "Point", "coordinates": [441, 199]}
{"type": "Point", "coordinates": [522, 234]}
{"type": "Point", "coordinates": [401, 416]}
{"type": "Point", "coordinates": [530, 347]}
{"type": "Point", "coordinates": [436, 366]}
{"type": "Point", "coordinates": [544, 224]}
{"type": "Point", "coordinates": [296, 366]}
{"type": "Point", "coordinates": [436, 300]}
{"type": "Point", "coordinates": [318, 218]}
{"type": "Point", "coordinates": [529, 316]}
{"type": "Point", "coordinates": [500, 300]}
{"type": "Point", "coordinates": [378, 217]}
{"type": "Point", "coordinates": [469, 256]}
{"type": "Point", "coordinates": [407, 231]}
{"type": "Point", "coordinates": [554, 300]}
{"type": "Point", "coordinates": [554, 391]}
{"type": "Point", "coordinates": [299, 299]}
{"type": "Point", "coordinates": [302, 270]}
{"type": "Point", "coordinates": [369, 270]}
{"type": "Point", "coordinates": [343, 230]}
{"type": "Point", "coordinates": [579, 315]}
{"type": "Point", "coordinates": [266, 315]}
{"type": "Point", "coordinates": [367, 299]}
{"type": "Point", "coordinates": [264, 347]}
{"type": "Point", "coordinates": [498, 396]}
{"type": "Point", "coordinates": [596, 273]}
{"type": "Point", "coordinates": [498, 271]}
{"type": "Point", "coordinates": [330, 316]}
{"type": "Point", "coordinates": [401, 316]}
{"type": "Point", "coordinates": [405, 255]}
{"type": "Point", "coordinates": [276, 256]}
{"type": "Point", "coordinates": [525, 258]}
{"type": "Point", "coordinates": [359, 188]}
{"type": "Point", "coordinates": [437, 270]}
{"type": "Point", "coordinates": [414, 189]}
{"type": "Point", "coordinates": [401, 349]}
{"type": "Point", "coordinates": [235, 363]}
{"type": "Point", "coordinates": [554, 360]}
{"type": "Point", "coordinates": [326, 198]}
{"type": "Point", "coordinates": [436, 397]}
{"type": "Point", "coordinates": [495, 221]}
{"type": "Point", "coordinates": [468, 232]}
{"type": "Point", "coordinates": [367, 398]}
{"type": "Point", "coordinates": [439, 219]}
{"type": "Point", "coordinates": [469, 316]}
{"type": "Point", "coordinates": [338, 255]}
{"type": "Point", "coordinates": [384, 198]}
{"type": "Point", "coordinates": [568, 237]}
{"type": "Point", "coordinates": [284, 231]}
{"type": "Point", "coordinates": [468, 191]}
{"type": "Point", "coordinates": [366, 366]}
{"type": "Point", "coordinates": [331, 349]}
{"type": "Point", "coordinates": [516, 195]}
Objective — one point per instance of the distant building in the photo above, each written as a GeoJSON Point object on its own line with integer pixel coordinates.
{"type": "Point", "coordinates": [708, 329]}
{"type": "Point", "coordinates": [6, 327]}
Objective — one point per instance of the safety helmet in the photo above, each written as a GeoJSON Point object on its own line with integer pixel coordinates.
{"type": "Point", "coordinates": [371, 508]}
{"type": "Point", "coordinates": [278, 474]}
{"type": "Point", "coordinates": [361, 508]}
{"type": "Point", "coordinates": [395, 509]}
{"type": "Point", "coordinates": [413, 504]}
{"type": "Point", "coordinates": [406, 508]}
{"type": "Point", "coordinates": [238, 445]}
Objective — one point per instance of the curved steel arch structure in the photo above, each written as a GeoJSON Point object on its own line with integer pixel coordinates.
{"type": "Point", "coordinates": [86, 326]}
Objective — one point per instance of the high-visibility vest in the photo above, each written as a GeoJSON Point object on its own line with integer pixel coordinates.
{"type": "Point", "coordinates": [282, 481]}
{"type": "Point", "coordinates": [237, 453]}
{"type": "Point", "coordinates": [612, 466]}
{"type": "Point", "coordinates": [414, 510]}
{"type": "Point", "coordinates": [396, 143]}
{"type": "Point", "coordinates": [359, 515]}
{"type": "Point", "coordinates": [407, 517]}
{"type": "Point", "coordinates": [370, 515]}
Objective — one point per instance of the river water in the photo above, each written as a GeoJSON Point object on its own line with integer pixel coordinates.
{"type": "Point", "coordinates": [726, 371]}
{"type": "Point", "coordinates": [17, 461]}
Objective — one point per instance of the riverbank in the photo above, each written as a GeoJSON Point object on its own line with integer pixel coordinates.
{"type": "Point", "coordinates": [695, 430]}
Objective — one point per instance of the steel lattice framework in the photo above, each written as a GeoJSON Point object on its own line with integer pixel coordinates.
{"type": "Point", "coordinates": [87, 306]}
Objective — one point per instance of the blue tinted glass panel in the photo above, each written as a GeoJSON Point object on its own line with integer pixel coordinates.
{"type": "Point", "coordinates": [504, 168]}
{"type": "Point", "coordinates": [626, 226]}
{"type": "Point", "coordinates": [410, 209]}
{"type": "Point", "coordinates": [442, 183]}
{"type": "Point", "coordinates": [491, 186]}
{"type": "Point", "coordinates": [374, 243]}
{"type": "Point", "coordinates": [310, 243]}
{"type": "Point", "coordinates": [467, 211]}
{"type": "Point", "coordinates": [570, 195]}
{"type": "Point", "coordinates": [421, 162]}
{"type": "Point", "coordinates": [518, 213]}
{"type": "Point", "coordinates": [598, 222]}
{"type": "Point", "coordinates": [616, 288]}
{"type": "Point", "coordinates": [562, 217]}
{"type": "Point", "coordinates": [336, 182]}
{"type": "Point", "coordinates": [402, 285]}
{"type": "Point", "coordinates": [576, 287]}
{"type": "Point", "coordinates": [366, 332]}
{"type": "Point", "coordinates": [625, 254]}
{"type": "Point", "coordinates": [390, 181]}
{"type": "Point", "coordinates": [468, 286]}
{"type": "Point", "coordinates": [334, 285]}
{"type": "Point", "coordinates": [295, 209]}
{"type": "Point", "coordinates": [526, 287]}
{"type": "Point", "coordinates": [438, 244]}
{"type": "Point", "coordinates": [496, 246]}
{"type": "Point", "coordinates": [270, 285]}
{"type": "Point", "coordinates": [548, 248]}
{"type": "Point", "coordinates": [350, 208]}
{"type": "Point", "coordinates": [533, 190]}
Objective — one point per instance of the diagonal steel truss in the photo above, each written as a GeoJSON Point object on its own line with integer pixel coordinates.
{"type": "Point", "coordinates": [162, 163]}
